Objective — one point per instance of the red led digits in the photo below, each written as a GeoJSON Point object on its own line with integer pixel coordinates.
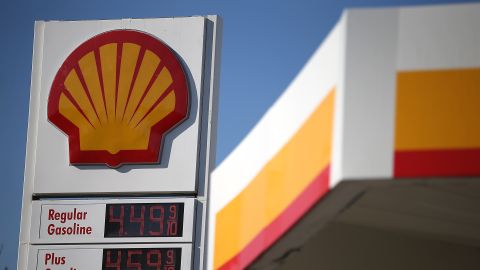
{"type": "Point", "coordinates": [140, 219]}
{"type": "Point", "coordinates": [142, 259]}
{"type": "Point", "coordinates": [157, 219]}
{"type": "Point", "coordinates": [173, 212]}
{"type": "Point", "coordinates": [130, 262]}
{"type": "Point", "coordinates": [119, 220]}
{"type": "Point", "coordinates": [172, 222]}
{"type": "Point", "coordinates": [157, 263]}
{"type": "Point", "coordinates": [172, 228]}
{"type": "Point", "coordinates": [109, 264]}
{"type": "Point", "coordinates": [144, 220]}
{"type": "Point", "coordinates": [170, 257]}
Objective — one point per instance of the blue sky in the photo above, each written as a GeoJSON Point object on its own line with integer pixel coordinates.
{"type": "Point", "coordinates": [265, 44]}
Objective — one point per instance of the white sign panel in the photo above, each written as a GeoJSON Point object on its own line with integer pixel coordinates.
{"type": "Point", "coordinates": [113, 221]}
{"type": "Point", "coordinates": [94, 257]}
{"type": "Point", "coordinates": [66, 221]}
{"type": "Point", "coordinates": [93, 104]}
{"type": "Point", "coordinates": [120, 143]}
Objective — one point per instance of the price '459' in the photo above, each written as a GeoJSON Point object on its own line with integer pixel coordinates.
{"type": "Point", "coordinates": [142, 259]}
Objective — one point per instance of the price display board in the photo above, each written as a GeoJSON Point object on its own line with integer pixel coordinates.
{"type": "Point", "coordinates": [144, 220]}
{"type": "Point", "coordinates": [142, 258]}
{"type": "Point", "coordinates": [114, 221]}
{"type": "Point", "coordinates": [112, 257]}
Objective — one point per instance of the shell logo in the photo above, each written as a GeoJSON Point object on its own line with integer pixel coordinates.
{"type": "Point", "coordinates": [116, 96]}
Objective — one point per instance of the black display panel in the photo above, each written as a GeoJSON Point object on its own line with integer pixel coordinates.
{"type": "Point", "coordinates": [144, 220]}
{"type": "Point", "coordinates": [142, 259]}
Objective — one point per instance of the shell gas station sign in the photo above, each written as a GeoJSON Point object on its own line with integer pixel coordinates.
{"type": "Point", "coordinates": [119, 144]}
{"type": "Point", "coordinates": [114, 108]}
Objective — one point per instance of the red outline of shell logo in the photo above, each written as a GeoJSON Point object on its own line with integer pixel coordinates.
{"type": "Point", "coordinates": [116, 96]}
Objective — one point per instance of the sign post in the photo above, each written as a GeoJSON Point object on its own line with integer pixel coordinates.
{"type": "Point", "coordinates": [120, 144]}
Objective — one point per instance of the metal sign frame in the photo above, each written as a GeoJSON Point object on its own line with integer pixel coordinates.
{"type": "Point", "coordinates": [188, 152]}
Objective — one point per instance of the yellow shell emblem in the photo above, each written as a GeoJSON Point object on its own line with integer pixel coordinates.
{"type": "Point", "coordinates": [116, 96]}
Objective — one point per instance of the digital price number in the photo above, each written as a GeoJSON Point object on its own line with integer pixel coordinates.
{"type": "Point", "coordinates": [144, 220]}
{"type": "Point", "coordinates": [142, 259]}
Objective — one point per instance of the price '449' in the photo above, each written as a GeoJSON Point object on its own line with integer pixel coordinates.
{"type": "Point", "coordinates": [144, 220]}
